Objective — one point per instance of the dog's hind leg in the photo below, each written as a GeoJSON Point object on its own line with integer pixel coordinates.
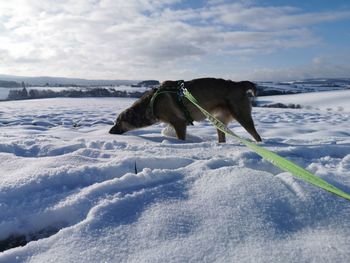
{"type": "Point", "coordinates": [222, 114]}
{"type": "Point", "coordinates": [248, 124]}
{"type": "Point", "coordinates": [180, 128]}
{"type": "Point", "coordinates": [243, 115]}
{"type": "Point", "coordinates": [221, 136]}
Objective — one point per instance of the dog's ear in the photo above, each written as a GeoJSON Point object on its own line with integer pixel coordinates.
{"type": "Point", "coordinates": [248, 86]}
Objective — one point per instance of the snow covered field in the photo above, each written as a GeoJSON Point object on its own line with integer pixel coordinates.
{"type": "Point", "coordinates": [326, 100]}
{"type": "Point", "coordinates": [63, 176]}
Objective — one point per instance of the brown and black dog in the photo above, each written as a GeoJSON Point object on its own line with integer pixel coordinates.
{"type": "Point", "coordinates": [224, 99]}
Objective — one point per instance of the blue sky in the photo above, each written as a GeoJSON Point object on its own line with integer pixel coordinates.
{"type": "Point", "coordinates": [174, 39]}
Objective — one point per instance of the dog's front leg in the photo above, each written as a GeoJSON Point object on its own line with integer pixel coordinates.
{"type": "Point", "coordinates": [221, 136]}
{"type": "Point", "coordinates": [180, 129]}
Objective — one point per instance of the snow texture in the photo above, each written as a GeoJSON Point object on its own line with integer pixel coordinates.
{"type": "Point", "coordinates": [72, 186]}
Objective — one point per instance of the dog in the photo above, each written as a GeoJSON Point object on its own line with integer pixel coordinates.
{"type": "Point", "coordinates": [224, 99]}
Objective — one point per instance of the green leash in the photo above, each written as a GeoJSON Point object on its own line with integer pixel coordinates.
{"type": "Point", "coordinates": [272, 157]}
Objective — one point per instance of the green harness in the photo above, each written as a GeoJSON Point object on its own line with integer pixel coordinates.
{"type": "Point", "coordinates": [176, 89]}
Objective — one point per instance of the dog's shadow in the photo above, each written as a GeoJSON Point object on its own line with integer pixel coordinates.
{"type": "Point", "coordinates": [166, 135]}
{"type": "Point", "coordinates": [168, 139]}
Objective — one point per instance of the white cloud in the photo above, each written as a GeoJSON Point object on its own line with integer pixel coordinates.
{"type": "Point", "coordinates": [142, 38]}
{"type": "Point", "coordinates": [269, 18]}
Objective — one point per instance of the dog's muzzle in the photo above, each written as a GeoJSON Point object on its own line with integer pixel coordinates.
{"type": "Point", "coordinates": [116, 130]}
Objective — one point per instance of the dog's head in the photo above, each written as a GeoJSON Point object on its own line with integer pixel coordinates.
{"type": "Point", "coordinates": [124, 123]}
{"type": "Point", "coordinates": [137, 116]}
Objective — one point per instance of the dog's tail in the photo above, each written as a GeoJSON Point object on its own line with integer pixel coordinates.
{"type": "Point", "coordinates": [250, 87]}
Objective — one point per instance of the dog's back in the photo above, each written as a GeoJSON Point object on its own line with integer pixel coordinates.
{"type": "Point", "coordinates": [225, 99]}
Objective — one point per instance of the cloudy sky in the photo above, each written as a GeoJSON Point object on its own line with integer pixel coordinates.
{"type": "Point", "coordinates": [174, 39]}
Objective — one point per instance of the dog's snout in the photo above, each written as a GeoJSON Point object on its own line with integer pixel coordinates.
{"type": "Point", "coordinates": [116, 130]}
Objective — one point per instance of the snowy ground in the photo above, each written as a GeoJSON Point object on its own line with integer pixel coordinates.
{"type": "Point", "coordinates": [63, 176]}
{"type": "Point", "coordinates": [326, 100]}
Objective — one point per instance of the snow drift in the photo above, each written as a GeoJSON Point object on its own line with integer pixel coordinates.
{"type": "Point", "coordinates": [72, 187]}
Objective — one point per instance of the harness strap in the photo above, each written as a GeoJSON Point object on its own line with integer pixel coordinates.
{"type": "Point", "coordinates": [177, 90]}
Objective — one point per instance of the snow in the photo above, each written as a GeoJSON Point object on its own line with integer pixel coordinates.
{"type": "Point", "coordinates": [326, 100]}
{"type": "Point", "coordinates": [68, 183]}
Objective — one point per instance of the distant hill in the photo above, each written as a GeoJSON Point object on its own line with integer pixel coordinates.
{"type": "Point", "coordinates": [147, 83]}
{"type": "Point", "coordinates": [265, 88]}
{"type": "Point", "coordinates": [52, 81]}
{"type": "Point", "coordinates": [325, 81]}
{"type": "Point", "coordinates": [268, 88]}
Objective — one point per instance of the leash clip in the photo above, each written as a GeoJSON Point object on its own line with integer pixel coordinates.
{"type": "Point", "coordinates": [182, 89]}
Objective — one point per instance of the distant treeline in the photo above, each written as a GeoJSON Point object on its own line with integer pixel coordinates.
{"type": "Point", "coordinates": [9, 84]}
{"type": "Point", "coordinates": [22, 94]}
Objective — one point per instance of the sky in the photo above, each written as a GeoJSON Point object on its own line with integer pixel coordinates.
{"type": "Point", "coordinates": [174, 39]}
